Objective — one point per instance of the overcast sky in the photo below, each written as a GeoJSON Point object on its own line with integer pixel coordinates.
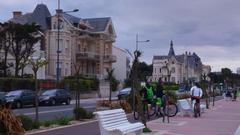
{"type": "Point", "coordinates": [210, 28]}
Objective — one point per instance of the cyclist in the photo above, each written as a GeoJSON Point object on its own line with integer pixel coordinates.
{"type": "Point", "coordinates": [196, 94]}
{"type": "Point", "coordinates": [148, 95]}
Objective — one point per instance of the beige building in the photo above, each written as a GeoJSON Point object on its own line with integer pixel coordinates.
{"type": "Point", "coordinates": [85, 45]}
{"type": "Point", "coordinates": [177, 68]}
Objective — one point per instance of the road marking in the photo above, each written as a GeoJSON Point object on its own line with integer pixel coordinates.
{"type": "Point", "coordinates": [53, 111]}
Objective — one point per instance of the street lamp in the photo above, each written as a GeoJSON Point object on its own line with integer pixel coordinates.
{"type": "Point", "coordinates": [59, 12]}
{"type": "Point", "coordinates": [135, 53]}
{"type": "Point", "coordinates": [137, 41]}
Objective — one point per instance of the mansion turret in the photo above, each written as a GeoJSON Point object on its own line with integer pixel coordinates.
{"type": "Point", "coordinates": [174, 68]}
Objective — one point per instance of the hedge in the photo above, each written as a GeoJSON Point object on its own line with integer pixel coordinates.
{"type": "Point", "coordinates": [8, 84]}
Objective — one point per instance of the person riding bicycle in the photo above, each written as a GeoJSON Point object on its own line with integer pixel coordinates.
{"type": "Point", "coordinates": [148, 94]}
{"type": "Point", "coordinates": [196, 94]}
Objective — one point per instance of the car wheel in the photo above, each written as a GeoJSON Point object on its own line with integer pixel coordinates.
{"type": "Point", "coordinates": [53, 102]}
{"type": "Point", "coordinates": [18, 104]}
{"type": "Point", "coordinates": [68, 101]}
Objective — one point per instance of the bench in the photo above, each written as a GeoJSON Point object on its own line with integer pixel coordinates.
{"type": "Point", "coordinates": [114, 122]}
{"type": "Point", "coordinates": [185, 106]}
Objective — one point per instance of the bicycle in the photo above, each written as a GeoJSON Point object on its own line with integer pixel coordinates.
{"type": "Point", "coordinates": [167, 109]}
{"type": "Point", "coordinates": [196, 109]}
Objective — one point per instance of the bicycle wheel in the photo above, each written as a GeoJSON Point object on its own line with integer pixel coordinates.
{"type": "Point", "coordinates": [197, 112]}
{"type": "Point", "coordinates": [172, 110]}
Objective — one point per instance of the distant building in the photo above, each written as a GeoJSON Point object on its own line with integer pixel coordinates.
{"type": "Point", "coordinates": [177, 68]}
{"type": "Point", "coordinates": [206, 69]}
{"type": "Point", "coordinates": [238, 70]}
{"type": "Point", "coordinates": [122, 65]}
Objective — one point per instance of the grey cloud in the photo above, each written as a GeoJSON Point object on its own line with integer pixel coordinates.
{"type": "Point", "coordinates": [189, 23]}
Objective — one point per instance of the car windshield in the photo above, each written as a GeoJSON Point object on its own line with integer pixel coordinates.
{"type": "Point", "coordinates": [49, 92]}
{"type": "Point", "coordinates": [14, 93]}
{"type": "Point", "coordinates": [2, 94]}
{"type": "Point", "coordinates": [126, 89]}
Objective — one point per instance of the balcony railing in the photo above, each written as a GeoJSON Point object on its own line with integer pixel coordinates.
{"type": "Point", "coordinates": [87, 56]}
{"type": "Point", "coordinates": [109, 58]}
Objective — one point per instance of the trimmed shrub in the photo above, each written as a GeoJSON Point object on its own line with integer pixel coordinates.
{"type": "Point", "coordinates": [47, 123]}
{"type": "Point", "coordinates": [63, 120]}
{"type": "Point", "coordinates": [146, 130]}
{"type": "Point", "coordinates": [8, 84]}
{"type": "Point", "coordinates": [80, 83]}
{"type": "Point", "coordinates": [172, 96]}
{"type": "Point", "coordinates": [27, 122]}
{"type": "Point", "coordinates": [80, 113]}
{"type": "Point", "coordinates": [183, 96]}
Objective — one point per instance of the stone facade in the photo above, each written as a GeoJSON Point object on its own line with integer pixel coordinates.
{"type": "Point", "coordinates": [85, 45]}
{"type": "Point", "coordinates": [177, 68]}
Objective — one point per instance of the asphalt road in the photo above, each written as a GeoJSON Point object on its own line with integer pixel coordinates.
{"type": "Point", "coordinates": [52, 112]}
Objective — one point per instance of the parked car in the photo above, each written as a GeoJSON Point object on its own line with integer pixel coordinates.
{"type": "Point", "coordinates": [20, 98]}
{"type": "Point", "coordinates": [184, 88]}
{"type": "Point", "coordinates": [2, 97]}
{"type": "Point", "coordinates": [124, 93]}
{"type": "Point", "coordinates": [54, 97]}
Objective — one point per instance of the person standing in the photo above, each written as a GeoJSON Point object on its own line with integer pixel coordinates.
{"type": "Point", "coordinates": [159, 96]}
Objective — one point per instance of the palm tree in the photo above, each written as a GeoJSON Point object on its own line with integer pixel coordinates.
{"type": "Point", "coordinates": [110, 78]}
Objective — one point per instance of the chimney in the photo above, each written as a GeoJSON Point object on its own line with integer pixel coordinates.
{"type": "Point", "coordinates": [17, 14]}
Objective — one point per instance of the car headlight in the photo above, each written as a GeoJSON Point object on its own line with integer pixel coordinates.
{"type": "Point", "coordinates": [10, 100]}
{"type": "Point", "coordinates": [46, 98]}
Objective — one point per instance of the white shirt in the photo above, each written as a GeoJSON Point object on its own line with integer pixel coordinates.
{"type": "Point", "coordinates": [195, 91]}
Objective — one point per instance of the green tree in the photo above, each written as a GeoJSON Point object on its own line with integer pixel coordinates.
{"type": "Point", "coordinates": [5, 45]}
{"type": "Point", "coordinates": [110, 78]}
{"type": "Point", "coordinates": [145, 70]}
{"type": "Point", "coordinates": [36, 65]}
{"type": "Point", "coordinates": [22, 40]}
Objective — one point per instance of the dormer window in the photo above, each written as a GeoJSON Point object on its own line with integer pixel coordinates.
{"type": "Point", "coordinates": [110, 29]}
{"type": "Point", "coordinates": [61, 24]}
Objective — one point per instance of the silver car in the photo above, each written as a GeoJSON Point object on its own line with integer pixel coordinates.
{"type": "Point", "coordinates": [124, 92]}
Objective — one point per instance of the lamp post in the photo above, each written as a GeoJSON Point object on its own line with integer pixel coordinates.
{"type": "Point", "coordinates": [136, 51]}
{"type": "Point", "coordinates": [59, 12]}
{"type": "Point", "coordinates": [204, 76]}
{"type": "Point", "coordinates": [137, 41]}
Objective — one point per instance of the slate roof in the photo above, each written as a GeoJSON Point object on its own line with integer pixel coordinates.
{"type": "Point", "coordinates": [98, 24]}
{"type": "Point", "coordinates": [40, 16]}
{"type": "Point", "coordinates": [193, 60]}
{"type": "Point", "coordinates": [180, 58]}
{"type": "Point", "coordinates": [71, 19]}
{"type": "Point", "coordinates": [160, 57]}
{"type": "Point", "coordinates": [171, 50]}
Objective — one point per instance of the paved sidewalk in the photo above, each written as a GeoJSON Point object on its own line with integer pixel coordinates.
{"type": "Point", "coordinates": [222, 119]}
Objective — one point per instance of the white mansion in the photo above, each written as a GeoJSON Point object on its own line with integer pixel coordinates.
{"type": "Point", "coordinates": [85, 44]}
{"type": "Point", "coordinates": [178, 68]}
